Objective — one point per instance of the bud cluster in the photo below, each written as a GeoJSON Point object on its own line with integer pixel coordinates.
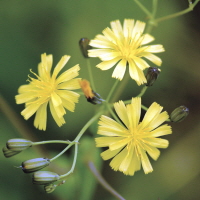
{"type": "Point", "coordinates": [46, 178]}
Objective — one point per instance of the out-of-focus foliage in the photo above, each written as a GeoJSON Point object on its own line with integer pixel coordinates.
{"type": "Point", "coordinates": [30, 28]}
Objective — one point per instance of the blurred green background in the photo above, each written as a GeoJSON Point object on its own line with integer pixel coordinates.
{"type": "Point", "coordinates": [30, 28]}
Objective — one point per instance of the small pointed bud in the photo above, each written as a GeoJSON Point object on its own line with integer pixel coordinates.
{"type": "Point", "coordinates": [18, 144]}
{"type": "Point", "coordinates": [44, 177]}
{"type": "Point", "coordinates": [49, 188]}
{"type": "Point", "coordinates": [9, 153]}
{"type": "Point", "coordinates": [151, 75]}
{"type": "Point", "coordinates": [34, 165]}
{"type": "Point", "coordinates": [84, 46]}
{"type": "Point", "coordinates": [90, 95]}
{"type": "Point", "coordinates": [179, 114]}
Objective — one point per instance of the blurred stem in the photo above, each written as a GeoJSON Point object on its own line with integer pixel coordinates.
{"type": "Point", "coordinates": [74, 163]}
{"type": "Point", "coordinates": [90, 74]}
{"type": "Point", "coordinates": [154, 8]}
{"type": "Point", "coordinates": [189, 9]}
{"type": "Point", "coordinates": [112, 90]}
{"type": "Point", "coordinates": [143, 8]}
{"type": "Point", "coordinates": [142, 91]}
{"type": "Point", "coordinates": [103, 182]}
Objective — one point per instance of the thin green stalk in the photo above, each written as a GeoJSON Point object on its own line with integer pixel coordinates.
{"type": "Point", "coordinates": [103, 182]}
{"type": "Point", "coordinates": [189, 9]}
{"type": "Point", "coordinates": [73, 164]}
{"type": "Point", "coordinates": [142, 91]}
{"type": "Point", "coordinates": [90, 74]}
{"type": "Point", "coordinates": [63, 151]}
{"type": "Point", "coordinates": [51, 141]}
{"type": "Point", "coordinates": [154, 8]}
{"type": "Point", "coordinates": [143, 8]}
{"type": "Point", "coordinates": [111, 91]}
{"type": "Point", "coordinates": [87, 125]}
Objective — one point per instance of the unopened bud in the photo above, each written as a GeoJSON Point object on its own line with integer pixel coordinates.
{"type": "Point", "coordinates": [84, 46]}
{"type": "Point", "coordinates": [49, 188]}
{"type": "Point", "coordinates": [179, 114]}
{"type": "Point", "coordinates": [9, 153]}
{"type": "Point", "coordinates": [44, 177]}
{"type": "Point", "coordinates": [151, 75]}
{"type": "Point", "coordinates": [18, 144]}
{"type": "Point", "coordinates": [90, 95]}
{"type": "Point", "coordinates": [34, 165]}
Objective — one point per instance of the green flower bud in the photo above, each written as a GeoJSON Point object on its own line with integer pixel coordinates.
{"type": "Point", "coordinates": [179, 114]}
{"type": "Point", "coordinates": [9, 153]}
{"type": "Point", "coordinates": [84, 46]}
{"type": "Point", "coordinates": [151, 75]}
{"type": "Point", "coordinates": [44, 177]}
{"type": "Point", "coordinates": [49, 188]}
{"type": "Point", "coordinates": [18, 144]}
{"type": "Point", "coordinates": [35, 164]}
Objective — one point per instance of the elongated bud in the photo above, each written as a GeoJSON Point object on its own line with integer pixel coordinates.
{"type": "Point", "coordinates": [179, 114]}
{"type": "Point", "coordinates": [18, 144]}
{"type": "Point", "coordinates": [44, 177]}
{"type": "Point", "coordinates": [34, 165]}
{"type": "Point", "coordinates": [90, 95]}
{"type": "Point", "coordinates": [84, 46]}
{"type": "Point", "coordinates": [49, 188]}
{"type": "Point", "coordinates": [151, 75]}
{"type": "Point", "coordinates": [9, 153]}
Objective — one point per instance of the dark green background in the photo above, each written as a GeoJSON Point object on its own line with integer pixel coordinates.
{"type": "Point", "coordinates": [30, 28]}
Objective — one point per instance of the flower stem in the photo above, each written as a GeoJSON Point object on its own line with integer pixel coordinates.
{"type": "Point", "coordinates": [90, 74]}
{"type": "Point", "coordinates": [73, 164]}
{"type": "Point", "coordinates": [190, 8]}
{"type": "Point", "coordinates": [51, 141]}
{"type": "Point", "coordinates": [144, 9]}
{"type": "Point", "coordinates": [112, 90]}
{"type": "Point", "coordinates": [142, 91]}
{"type": "Point", "coordinates": [63, 151]}
{"type": "Point", "coordinates": [102, 181]}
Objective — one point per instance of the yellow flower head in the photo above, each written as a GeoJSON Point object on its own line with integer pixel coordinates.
{"type": "Point", "coordinates": [125, 46]}
{"type": "Point", "coordinates": [49, 88]}
{"type": "Point", "coordinates": [129, 143]}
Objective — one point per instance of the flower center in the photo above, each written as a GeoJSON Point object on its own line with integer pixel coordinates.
{"type": "Point", "coordinates": [42, 89]}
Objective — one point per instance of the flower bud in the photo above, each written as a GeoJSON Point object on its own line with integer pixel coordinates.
{"type": "Point", "coordinates": [18, 144]}
{"type": "Point", "coordinates": [35, 164]}
{"type": "Point", "coordinates": [152, 75]}
{"type": "Point", "coordinates": [9, 153]}
{"type": "Point", "coordinates": [44, 177]}
{"type": "Point", "coordinates": [179, 114]}
{"type": "Point", "coordinates": [49, 188]}
{"type": "Point", "coordinates": [90, 95]}
{"type": "Point", "coordinates": [84, 46]}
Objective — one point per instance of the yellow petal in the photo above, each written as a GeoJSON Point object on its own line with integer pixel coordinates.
{"type": "Point", "coordinates": [30, 110]}
{"type": "Point", "coordinates": [160, 131]}
{"type": "Point", "coordinates": [119, 144]}
{"type": "Point", "coordinates": [157, 142]}
{"type": "Point", "coordinates": [106, 141]}
{"type": "Point", "coordinates": [121, 111]}
{"type": "Point", "coordinates": [59, 121]}
{"type": "Point", "coordinates": [41, 117]}
{"type": "Point", "coordinates": [105, 65]}
{"type": "Point", "coordinates": [60, 65]}
{"type": "Point", "coordinates": [108, 154]}
{"type": "Point", "coordinates": [56, 100]}
{"type": "Point", "coordinates": [68, 74]}
{"type": "Point", "coordinates": [119, 70]}
{"type": "Point", "coordinates": [145, 161]}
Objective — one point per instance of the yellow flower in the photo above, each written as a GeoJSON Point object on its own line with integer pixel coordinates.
{"type": "Point", "coordinates": [49, 88]}
{"type": "Point", "coordinates": [123, 46]}
{"type": "Point", "coordinates": [129, 143]}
